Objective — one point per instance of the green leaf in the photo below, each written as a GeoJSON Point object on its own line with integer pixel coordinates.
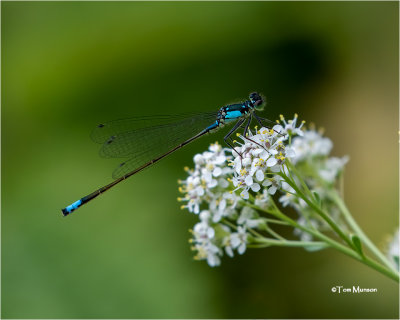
{"type": "Point", "coordinates": [220, 232]}
{"type": "Point", "coordinates": [317, 198]}
{"type": "Point", "coordinates": [262, 226]}
{"type": "Point", "coordinates": [357, 244]}
{"type": "Point", "coordinates": [396, 261]}
{"type": "Point", "coordinates": [315, 247]}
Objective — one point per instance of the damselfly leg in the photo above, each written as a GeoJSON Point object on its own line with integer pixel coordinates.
{"type": "Point", "coordinates": [247, 126]}
{"type": "Point", "coordinates": [228, 136]}
{"type": "Point", "coordinates": [270, 124]}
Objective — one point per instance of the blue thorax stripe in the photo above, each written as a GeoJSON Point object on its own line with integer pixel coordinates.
{"type": "Point", "coordinates": [233, 114]}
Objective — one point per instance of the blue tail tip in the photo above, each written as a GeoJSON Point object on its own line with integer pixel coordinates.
{"type": "Point", "coordinates": [66, 211]}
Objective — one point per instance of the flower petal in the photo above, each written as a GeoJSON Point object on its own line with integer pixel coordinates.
{"type": "Point", "coordinates": [259, 175]}
{"type": "Point", "coordinates": [242, 248]}
{"type": "Point", "coordinates": [255, 187]}
{"type": "Point", "coordinates": [244, 194]}
{"type": "Point", "coordinates": [217, 171]}
{"type": "Point", "coordinates": [271, 162]}
{"type": "Point", "coordinates": [249, 180]}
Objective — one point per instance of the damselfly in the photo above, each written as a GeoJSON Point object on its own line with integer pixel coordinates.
{"type": "Point", "coordinates": [146, 140]}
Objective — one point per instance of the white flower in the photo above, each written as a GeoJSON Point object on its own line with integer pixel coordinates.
{"type": "Point", "coordinates": [208, 251]}
{"type": "Point", "coordinates": [239, 240]}
{"type": "Point", "coordinates": [332, 167]}
{"type": "Point", "coordinates": [194, 190]}
{"type": "Point", "coordinates": [260, 175]}
{"type": "Point", "coordinates": [227, 244]}
{"type": "Point", "coordinates": [205, 216]}
{"type": "Point", "coordinates": [210, 173]}
{"type": "Point", "coordinates": [248, 219]}
{"type": "Point", "coordinates": [229, 250]}
{"type": "Point", "coordinates": [259, 154]}
{"type": "Point", "coordinates": [198, 159]}
{"type": "Point", "coordinates": [304, 236]}
{"type": "Point", "coordinates": [273, 184]}
{"type": "Point", "coordinates": [309, 145]}
{"type": "Point", "coordinates": [245, 194]}
{"type": "Point", "coordinates": [290, 126]}
{"type": "Point", "coordinates": [203, 242]}
{"type": "Point", "coordinates": [218, 207]}
{"type": "Point", "coordinates": [202, 231]}
{"type": "Point", "coordinates": [262, 199]}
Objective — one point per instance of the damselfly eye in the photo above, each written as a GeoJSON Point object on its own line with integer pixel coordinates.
{"type": "Point", "coordinates": [256, 99]}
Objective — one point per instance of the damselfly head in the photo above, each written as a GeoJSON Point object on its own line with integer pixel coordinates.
{"type": "Point", "coordinates": [257, 100]}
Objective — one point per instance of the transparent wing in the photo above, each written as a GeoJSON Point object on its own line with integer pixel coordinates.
{"type": "Point", "coordinates": [104, 131]}
{"type": "Point", "coordinates": [134, 139]}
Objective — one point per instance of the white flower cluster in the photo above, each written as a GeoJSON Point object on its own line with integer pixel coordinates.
{"type": "Point", "coordinates": [224, 181]}
{"type": "Point", "coordinates": [309, 145]}
{"type": "Point", "coordinates": [259, 155]}
{"type": "Point", "coordinates": [207, 184]}
{"type": "Point", "coordinates": [209, 240]}
{"type": "Point", "coordinates": [312, 149]}
{"type": "Point", "coordinates": [208, 192]}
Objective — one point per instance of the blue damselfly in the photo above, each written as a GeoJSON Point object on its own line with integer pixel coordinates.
{"type": "Point", "coordinates": [146, 140]}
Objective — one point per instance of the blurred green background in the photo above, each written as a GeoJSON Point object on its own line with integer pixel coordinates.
{"type": "Point", "coordinates": [67, 66]}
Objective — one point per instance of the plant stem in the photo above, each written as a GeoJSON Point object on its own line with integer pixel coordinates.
{"type": "Point", "coordinates": [290, 243]}
{"type": "Point", "coordinates": [350, 220]}
{"type": "Point", "coordinates": [275, 221]}
{"type": "Point", "coordinates": [334, 244]}
{"type": "Point", "coordinates": [325, 216]}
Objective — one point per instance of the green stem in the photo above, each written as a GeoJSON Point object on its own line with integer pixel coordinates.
{"type": "Point", "coordinates": [353, 224]}
{"type": "Point", "coordinates": [273, 233]}
{"type": "Point", "coordinates": [228, 223]}
{"type": "Point", "coordinates": [275, 221]}
{"type": "Point", "coordinates": [324, 215]}
{"type": "Point", "coordinates": [289, 243]}
{"type": "Point", "coordinates": [290, 167]}
{"type": "Point", "coordinates": [350, 220]}
{"type": "Point", "coordinates": [254, 232]}
{"type": "Point", "coordinates": [334, 244]}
